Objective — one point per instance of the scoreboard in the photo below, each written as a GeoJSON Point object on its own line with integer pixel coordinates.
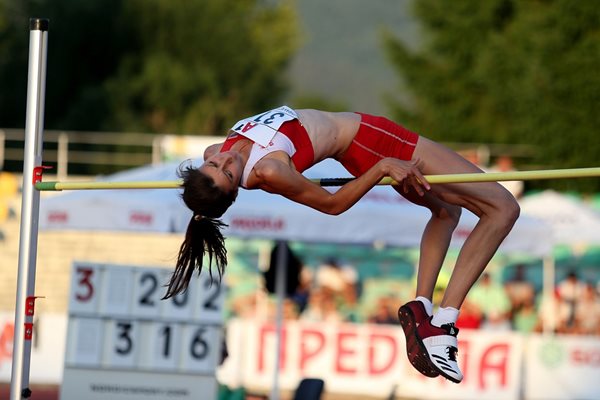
{"type": "Point", "coordinates": [124, 342]}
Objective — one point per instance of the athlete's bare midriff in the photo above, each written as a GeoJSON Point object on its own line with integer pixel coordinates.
{"type": "Point", "coordinates": [330, 133]}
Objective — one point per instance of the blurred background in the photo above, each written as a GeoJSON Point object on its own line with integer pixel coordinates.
{"type": "Point", "coordinates": [511, 85]}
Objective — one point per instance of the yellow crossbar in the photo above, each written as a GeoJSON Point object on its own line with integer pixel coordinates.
{"type": "Point", "coordinates": [433, 179]}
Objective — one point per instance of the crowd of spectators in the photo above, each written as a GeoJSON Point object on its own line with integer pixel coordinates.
{"type": "Point", "coordinates": [332, 293]}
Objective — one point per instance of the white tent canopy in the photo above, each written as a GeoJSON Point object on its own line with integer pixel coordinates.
{"type": "Point", "coordinates": [572, 221]}
{"type": "Point", "coordinates": [381, 216]}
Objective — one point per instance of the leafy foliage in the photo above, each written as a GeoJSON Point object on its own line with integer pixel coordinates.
{"type": "Point", "coordinates": [178, 66]}
{"type": "Point", "coordinates": [507, 71]}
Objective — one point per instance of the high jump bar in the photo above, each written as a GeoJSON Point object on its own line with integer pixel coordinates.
{"type": "Point", "coordinates": [330, 182]}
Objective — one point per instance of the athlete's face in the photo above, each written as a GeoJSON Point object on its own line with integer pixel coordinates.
{"type": "Point", "coordinates": [225, 169]}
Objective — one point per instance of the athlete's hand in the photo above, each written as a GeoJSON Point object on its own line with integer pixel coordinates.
{"type": "Point", "coordinates": [406, 173]}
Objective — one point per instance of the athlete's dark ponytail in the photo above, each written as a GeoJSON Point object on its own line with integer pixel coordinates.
{"type": "Point", "coordinates": [203, 234]}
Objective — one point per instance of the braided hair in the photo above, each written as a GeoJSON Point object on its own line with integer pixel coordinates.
{"type": "Point", "coordinates": [203, 235]}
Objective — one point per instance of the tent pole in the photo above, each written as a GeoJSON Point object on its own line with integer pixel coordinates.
{"type": "Point", "coordinates": [549, 318]}
{"type": "Point", "coordinates": [30, 207]}
{"type": "Point", "coordinates": [280, 288]}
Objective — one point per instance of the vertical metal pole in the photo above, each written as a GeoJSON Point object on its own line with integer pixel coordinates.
{"type": "Point", "coordinates": [2, 146]}
{"type": "Point", "coordinates": [549, 317]}
{"type": "Point", "coordinates": [36, 83]}
{"type": "Point", "coordinates": [280, 286]}
{"type": "Point", "coordinates": [62, 158]}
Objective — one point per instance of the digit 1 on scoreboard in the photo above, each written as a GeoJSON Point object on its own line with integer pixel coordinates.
{"type": "Point", "coordinates": [161, 343]}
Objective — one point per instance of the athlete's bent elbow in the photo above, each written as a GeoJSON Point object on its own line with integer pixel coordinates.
{"type": "Point", "coordinates": [333, 209]}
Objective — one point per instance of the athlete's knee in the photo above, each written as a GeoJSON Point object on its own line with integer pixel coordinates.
{"type": "Point", "coordinates": [507, 211]}
{"type": "Point", "coordinates": [449, 212]}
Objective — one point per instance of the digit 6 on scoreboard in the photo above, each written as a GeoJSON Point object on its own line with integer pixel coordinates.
{"type": "Point", "coordinates": [201, 347]}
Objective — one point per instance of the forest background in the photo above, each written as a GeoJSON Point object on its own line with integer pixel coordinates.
{"type": "Point", "coordinates": [500, 72]}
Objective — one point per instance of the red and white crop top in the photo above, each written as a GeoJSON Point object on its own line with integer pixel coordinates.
{"type": "Point", "coordinates": [275, 130]}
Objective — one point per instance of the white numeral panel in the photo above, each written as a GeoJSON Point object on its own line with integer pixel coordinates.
{"type": "Point", "coordinates": [84, 342]}
{"type": "Point", "coordinates": [121, 344]}
{"type": "Point", "coordinates": [147, 285]}
{"type": "Point", "coordinates": [116, 291]}
{"type": "Point", "coordinates": [85, 283]}
{"type": "Point", "coordinates": [118, 321]}
{"type": "Point", "coordinates": [143, 345]}
{"type": "Point", "coordinates": [209, 305]}
{"type": "Point", "coordinates": [136, 292]}
{"type": "Point", "coordinates": [201, 348]}
{"type": "Point", "coordinates": [163, 340]}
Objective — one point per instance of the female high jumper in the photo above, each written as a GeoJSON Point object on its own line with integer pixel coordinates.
{"type": "Point", "coordinates": [270, 151]}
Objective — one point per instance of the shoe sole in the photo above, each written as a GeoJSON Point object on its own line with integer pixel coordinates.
{"type": "Point", "coordinates": [415, 349]}
{"type": "Point", "coordinates": [444, 374]}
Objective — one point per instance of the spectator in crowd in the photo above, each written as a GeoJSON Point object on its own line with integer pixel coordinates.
{"type": "Point", "coordinates": [290, 309]}
{"type": "Point", "coordinates": [470, 316]}
{"type": "Point", "coordinates": [331, 313]}
{"type": "Point", "coordinates": [520, 291]}
{"type": "Point", "coordinates": [518, 288]}
{"type": "Point", "coordinates": [504, 163]}
{"type": "Point", "coordinates": [493, 301]}
{"type": "Point", "coordinates": [305, 282]}
{"type": "Point", "coordinates": [385, 311]}
{"type": "Point", "coordinates": [335, 278]}
{"type": "Point", "coordinates": [587, 311]}
{"type": "Point", "coordinates": [525, 317]}
{"type": "Point", "coordinates": [314, 306]}
{"type": "Point", "coordinates": [478, 156]}
{"type": "Point", "coordinates": [321, 307]}
{"type": "Point", "coordinates": [348, 304]}
{"type": "Point", "coordinates": [569, 290]}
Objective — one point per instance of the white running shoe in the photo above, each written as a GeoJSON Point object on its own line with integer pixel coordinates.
{"type": "Point", "coordinates": [442, 347]}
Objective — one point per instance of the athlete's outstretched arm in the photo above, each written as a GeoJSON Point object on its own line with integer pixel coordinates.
{"type": "Point", "coordinates": [275, 176]}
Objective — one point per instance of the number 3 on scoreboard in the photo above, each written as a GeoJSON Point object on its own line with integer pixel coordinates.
{"type": "Point", "coordinates": [84, 288]}
{"type": "Point", "coordinates": [123, 343]}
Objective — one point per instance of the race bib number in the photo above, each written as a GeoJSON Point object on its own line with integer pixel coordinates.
{"type": "Point", "coordinates": [261, 128]}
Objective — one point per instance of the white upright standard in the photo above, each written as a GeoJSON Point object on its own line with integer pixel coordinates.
{"type": "Point", "coordinates": [30, 205]}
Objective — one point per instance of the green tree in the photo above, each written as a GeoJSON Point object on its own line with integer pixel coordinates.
{"type": "Point", "coordinates": [179, 66]}
{"type": "Point", "coordinates": [200, 65]}
{"type": "Point", "coordinates": [507, 71]}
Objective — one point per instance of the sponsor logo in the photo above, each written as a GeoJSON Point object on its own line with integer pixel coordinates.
{"type": "Point", "coordinates": [257, 224]}
{"type": "Point", "coordinates": [586, 357]}
{"type": "Point", "coordinates": [140, 218]}
{"type": "Point", "coordinates": [58, 217]}
{"type": "Point", "coordinates": [552, 353]}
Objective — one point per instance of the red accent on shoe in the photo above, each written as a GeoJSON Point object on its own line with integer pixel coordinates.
{"type": "Point", "coordinates": [411, 315]}
{"type": "Point", "coordinates": [427, 329]}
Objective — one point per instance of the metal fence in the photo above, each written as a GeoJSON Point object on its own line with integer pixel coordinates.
{"type": "Point", "coordinates": [96, 152]}
{"type": "Point", "coordinates": [66, 149]}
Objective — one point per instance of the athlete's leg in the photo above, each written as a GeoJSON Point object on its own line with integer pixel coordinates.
{"type": "Point", "coordinates": [496, 208]}
{"type": "Point", "coordinates": [497, 211]}
{"type": "Point", "coordinates": [434, 246]}
{"type": "Point", "coordinates": [436, 238]}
